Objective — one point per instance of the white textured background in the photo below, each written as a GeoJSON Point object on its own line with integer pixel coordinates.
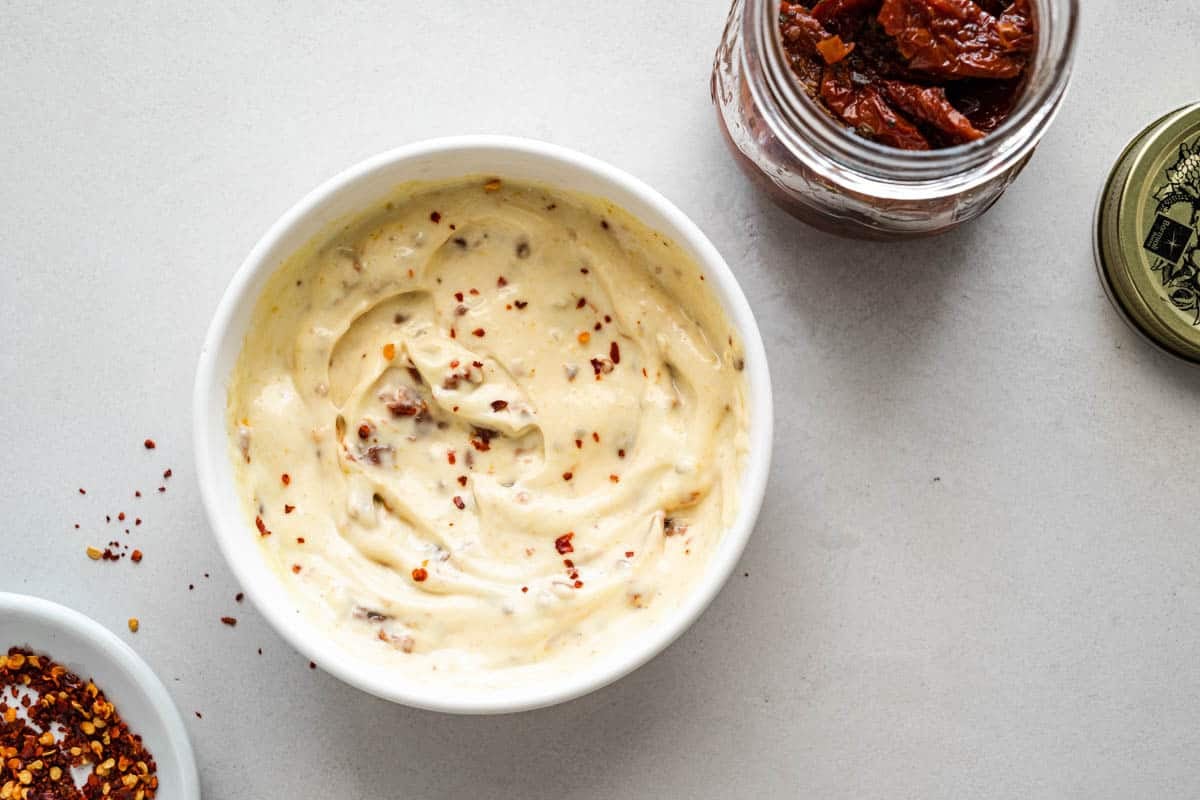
{"type": "Point", "coordinates": [1026, 626]}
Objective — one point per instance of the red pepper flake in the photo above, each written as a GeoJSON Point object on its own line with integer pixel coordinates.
{"type": "Point", "coordinates": [453, 334]}
{"type": "Point", "coordinates": [614, 352]}
{"type": "Point", "coordinates": [499, 405]}
{"type": "Point", "coordinates": [451, 457]}
{"type": "Point", "coordinates": [629, 554]}
{"type": "Point", "coordinates": [473, 291]}
{"type": "Point", "coordinates": [76, 526]}
{"type": "Point", "coordinates": [568, 475]}
{"type": "Point", "coordinates": [435, 217]}
{"type": "Point", "coordinates": [81, 491]}
{"type": "Point", "coordinates": [578, 584]}
{"type": "Point", "coordinates": [230, 621]}
{"type": "Point", "coordinates": [620, 454]}
{"type": "Point", "coordinates": [121, 516]}
{"type": "Point", "coordinates": [137, 494]}
{"type": "Point", "coordinates": [162, 489]}
{"type": "Point", "coordinates": [419, 574]}
{"type": "Point", "coordinates": [581, 302]}
{"type": "Point", "coordinates": [596, 437]}
{"type": "Point", "coordinates": [262, 527]}
{"type": "Point", "coordinates": [478, 364]}
{"type": "Point", "coordinates": [597, 326]}
{"type": "Point", "coordinates": [239, 597]}
{"type": "Point", "coordinates": [389, 351]}
{"type": "Point", "coordinates": [285, 478]}
{"type": "Point", "coordinates": [462, 480]}
{"type": "Point", "coordinates": [614, 478]}
{"type": "Point", "coordinates": [607, 319]}
{"type": "Point", "coordinates": [149, 444]}
{"type": "Point", "coordinates": [198, 715]}
{"type": "Point", "coordinates": [454, 364]}
{"type": "Point", "coordinates": [524, 588]}
{"type": "Point", "coordinates": [312, 665]}
{"type": "Point", "coordinates": [568, 563]}
{"type": "Point", "coordinates": [501, 281]}
{"type": "Point", "coordinates": [288, 509]}
{"type": "Point", "coordinates": [136, 556]}
{"type": "Point", "coordinates": [299, 540]}
{"type": "Point", "coordinates": [563, 543]}
{"type": "Point", "coordinates": [584, 270]}
{"type": "Point", "coordinates": [579, 443]}
{"type": "Point", "coordinates": [295, 569]}
{"type": "Point", "coordinates": [458, 503]}
{"type": "Point", "coordinates": [520, 304]}
{"type": "Point", "coordinates": [458, 296]}
{"type": "Point", "coordinates": [584, 337]}
{"type": "Point", "coordinates": [137, 521]}
{"type": "Point", "coordinates": [364, 431]}
{"type": "Point", "coordinates": [604, 224]}
{"type": "Point", "coordinates": [480, 332]}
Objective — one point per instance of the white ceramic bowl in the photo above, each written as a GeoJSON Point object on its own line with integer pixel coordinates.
{"type": "Point", "coordinates": [90, 650]}
{"type": "Point", "coordinates": [360, 188]}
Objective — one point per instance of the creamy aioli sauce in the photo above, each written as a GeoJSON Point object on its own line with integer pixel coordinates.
{"type": "Point", "coordinates": [512, 422]}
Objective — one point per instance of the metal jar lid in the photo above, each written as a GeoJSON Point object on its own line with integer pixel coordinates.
{"type": "Point", "coordinates": [1148, 233]}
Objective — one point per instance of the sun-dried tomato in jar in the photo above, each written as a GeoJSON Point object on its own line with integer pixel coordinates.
{"type": "Point", "coordinates": [911, 74]}
{"type": "Point", "coordinates": [890, 118]}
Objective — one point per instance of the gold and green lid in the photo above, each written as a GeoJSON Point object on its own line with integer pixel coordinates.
{"type": "Point", "coordinates": [1148, 233]}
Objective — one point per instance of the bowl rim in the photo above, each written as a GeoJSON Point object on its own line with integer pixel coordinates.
{"type": "Point", "coordinates": [110, 647]}
{"type": "Point", "coordinates": [681, 229]}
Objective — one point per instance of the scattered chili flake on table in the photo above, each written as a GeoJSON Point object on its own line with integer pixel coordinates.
{"type": "Point", "coordinates": [136, 556]}
{"type": "Point", "coordinates": [67, 724]}
{"type": "Point", "coordinates": [149, 444]}
{"type": "Point", "coordinates": [230, 621]}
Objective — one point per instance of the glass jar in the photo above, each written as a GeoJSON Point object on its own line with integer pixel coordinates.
{"type": "Point", "coordinates": [827, 176]}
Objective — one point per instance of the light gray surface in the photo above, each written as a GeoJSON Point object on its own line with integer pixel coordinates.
{"type": "Point", "coordinates": [1026, 626]}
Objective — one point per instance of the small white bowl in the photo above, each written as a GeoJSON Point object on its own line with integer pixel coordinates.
{"type": "Point", "coordinates": [90, 650]}
{"type": "Point", "coordinates": [360, 188]}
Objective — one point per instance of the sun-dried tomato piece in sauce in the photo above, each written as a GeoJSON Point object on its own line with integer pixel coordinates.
{"type": "Point", "coordinates": [955, 38]}
{"type": "Point", "coordinates": [929, 104]}
{"type": "Point", "coordinates": [866, 110]}
{"type": "Point", "coordinates": [844, 16]}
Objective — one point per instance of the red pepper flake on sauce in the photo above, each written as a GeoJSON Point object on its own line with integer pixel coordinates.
{"type": "Point", "coordinates": [262, 527]}
{"type": "Point", "coordinates": [458, 503]}
{"type": "Point", "coordinates": [499, 405]}
{"type": "Point", "coordinates": [288, 509]}
{"type": "Point", "coordinates": [568, 475]}
{"type": "Point", "coordinates": [629, 554]}
{"type": "Point", "coordinates": [614, 352]}
{"type": "Point", "coordinates": [480, 332]}
{"type": "Point", "coordinates": [520, 304]}
{"type": "Point", "coordinates": [419, 574]}
{"type": "Point", "coordinates": [287, 479]}
{"type": "Point", "coordinates": [435, 217]}
{"type": "Point", "coordinates": [563, 543]}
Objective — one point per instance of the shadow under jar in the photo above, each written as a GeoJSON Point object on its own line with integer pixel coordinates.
{"type": "Point", "coordinates": [821, 172]}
